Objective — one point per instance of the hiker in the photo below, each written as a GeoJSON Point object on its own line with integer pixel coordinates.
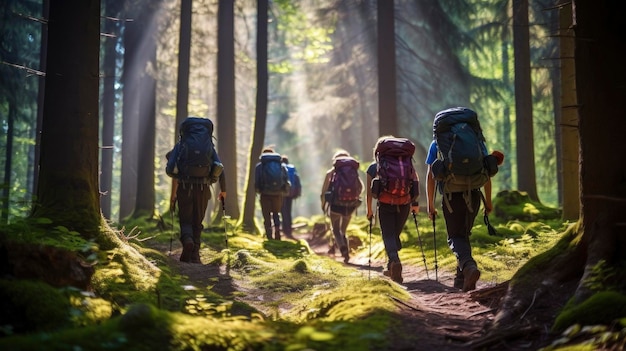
{"type": "Point", "coordinates": [294, 193]}
{"type": "Point", "coordinates": [341, 196]}
{"type": "Point", "coordinates": [272, 183]}
{"type": "Point", "coordinates": [460, 190]}
{"type": "Point", "coordinates": [395, 184]}
{"type": "Point", "coordinates": [191, 186]}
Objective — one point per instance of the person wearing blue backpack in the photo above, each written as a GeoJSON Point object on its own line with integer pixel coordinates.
{"type": "Point", "coordinates": [272, 183]}
{"type": "Point", "coordinates": [195, 166]}
{"type": "Point", "coordinates": [295, 190]}
{"type": "Point", "coordinates": [459, 166]}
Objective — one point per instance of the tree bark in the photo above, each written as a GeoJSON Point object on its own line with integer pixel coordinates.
{"type": "Point", "coordinates": [68, 181]}
{"type": "Point", "coordinates": [108, 108]}
{"type": "Point", "coordinates": [526, 180]}
{"type": "Point", "coordinates": [568, 124]}
{"type": "Point", "coordinates": [258, 134]}
{"type": "Point", "coordinates": [226, 102]}
{"type": "Point", "coordinates": [387, 107]}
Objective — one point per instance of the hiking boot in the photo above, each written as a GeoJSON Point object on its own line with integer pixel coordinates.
{"type": "Point", "coordinates": [185, 256]}
{"type": "Point", "coordinates": [345, 254]}
{"type": "Point", "coordinates": [458, 282]}
{"type": "Point", "coordinates": [470, 275]}
{"type": "Point", "coordinates": [195, 254]}
{"type": "Point", "coordinates": [396, 272]}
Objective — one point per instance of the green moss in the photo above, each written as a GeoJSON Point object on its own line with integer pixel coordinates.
{"type": "Point", "coordinates": [30, 306]}
{"type": "Point", "coordinates": [509, 204]}
{"type": "Point", "coordinates": [601, 308]}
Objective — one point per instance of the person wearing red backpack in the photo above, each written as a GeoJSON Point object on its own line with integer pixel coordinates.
{"type": "Point", "coordinates": [394, 183]}
{"type": "Point", "coordinates": [341, 196]}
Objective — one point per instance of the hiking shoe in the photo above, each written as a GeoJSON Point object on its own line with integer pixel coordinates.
{"type": "Point", "coordinates": [195, 254]}
{"type": "Point", "coordinates": [396, 272]}
{"type": "Point", "coordinates": [185, 256]}
{"type": "Point", "coordinates": [470, 275]}
{"type": "Point", "coordinates": [345, 254]}
{"type": "Point", "coordinates": [458, 282]}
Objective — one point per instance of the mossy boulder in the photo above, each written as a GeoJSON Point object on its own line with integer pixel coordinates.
{"type": "Point", "coordinates": [511, 205]}
{"type": "Point", "coordinates": [601, 308]}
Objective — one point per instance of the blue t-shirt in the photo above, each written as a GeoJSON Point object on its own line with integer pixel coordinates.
{"type": "Point", "coordinates": [432, 153]}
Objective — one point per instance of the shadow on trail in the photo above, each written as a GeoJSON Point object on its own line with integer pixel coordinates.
{"type": "Point", "coordinates": [429, 286]}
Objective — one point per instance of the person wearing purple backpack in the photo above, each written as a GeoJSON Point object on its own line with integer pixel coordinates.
{"type": "Point", "coordinates": [394, 183]}
{"type": "Point", "coordinates": [341, 196]}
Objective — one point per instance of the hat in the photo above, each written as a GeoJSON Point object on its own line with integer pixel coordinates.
{"type": "Point", "coordinates": [341, 153]}
{"type": "Point", "coordinates": [499, 156]}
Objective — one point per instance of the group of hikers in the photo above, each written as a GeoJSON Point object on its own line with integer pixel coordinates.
{"type": "Point", "coordinates": [458, 167]}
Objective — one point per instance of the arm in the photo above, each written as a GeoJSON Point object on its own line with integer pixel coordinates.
{"type": "Point", "coordinates": [415, 206]}
{"type": "Point", "coordinates": [324, 189]}
{"type": "Point", "coordinates": [488, 204]}
{"type": "Point", "coordinates": [430, 193]}
{"type": "Point", "coordinates": [173, 196]}
{"type": "Point", "coordinates": [368, 197]}
{"type": "Point", "coordinates": [222, 182]}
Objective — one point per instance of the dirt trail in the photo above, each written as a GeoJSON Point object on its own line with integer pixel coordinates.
{"type": "Point", "coordinates": [437, 317]}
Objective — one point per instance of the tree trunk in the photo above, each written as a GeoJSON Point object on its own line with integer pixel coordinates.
{"type": "Point", "coordinates": [45, 13]}
{"type": "Point", "coordinates": [600, 77]}
{"type": "Point", "coordinates": [552, 278]}
{"type": "Point", "coordinates": [144, 203]}
{"type": "Point", "coordinates": [226, 102]}
{"type": "Point", "coordinates": [569, 119]}
{"type": "Point", "coordinates": [387, 108]}
{"type": "Point", "coordinates": [130, 118]}
{"type": "Point", "coordinates": [184, 52]}
{"type": "Point", "coordinates": [258, 136]}
{"type": "Point", "coordinates": [505, 175]}
{"type": "Point", "coordinates": [108, 108]}
{"type": "Point", "coordinates": [68, 181]}
{"type": "Point", "coordinates": [526, 180]}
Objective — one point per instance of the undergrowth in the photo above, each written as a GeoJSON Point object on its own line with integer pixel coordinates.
{"type": "Point", "coordinates": [288, 297]}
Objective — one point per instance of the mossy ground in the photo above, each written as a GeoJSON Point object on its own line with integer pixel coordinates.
{"type": "Point", "coordinates": [250, 293]}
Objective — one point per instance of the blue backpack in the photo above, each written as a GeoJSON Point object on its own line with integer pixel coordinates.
{"type": "Point", "coordinates": [193, 156]}
{"type": "Point", "coordinates": [462, 162]}
{"type": "Point", "coordinates": [274, 178]}
{"type": "Point", "coordinates": [294, 179]}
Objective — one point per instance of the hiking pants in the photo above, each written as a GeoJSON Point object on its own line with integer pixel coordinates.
{"type": "Point", "coordinates": [459, 224]}
{"type": "Point", "coordinates": [339, 221]}
{"type": "Point", "coordinates": [286, 214]}
{"type": "Point", "coordinates": [192, 203]}
{"type": "Point", "coordinates": [392, 220]}
{"type": "Point", "coordinates": [270, 208]}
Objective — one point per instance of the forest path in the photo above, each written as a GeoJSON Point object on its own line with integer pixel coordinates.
{"type": "Point", "coordinates": [436, 317]}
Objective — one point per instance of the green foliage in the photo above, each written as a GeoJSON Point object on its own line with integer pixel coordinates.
{"type": "Point", "coordinates": [602, 307]}
{"type": "Point", "coordinates": [32, 306]}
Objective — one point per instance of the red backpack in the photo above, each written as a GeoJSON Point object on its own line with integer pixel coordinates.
{"type": "Point", "coordinates": [345, 185]}
{"type": "Point", "coordinates": [396, 178]}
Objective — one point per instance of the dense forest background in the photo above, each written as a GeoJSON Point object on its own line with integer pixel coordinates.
{"type": "Point", "coordinates": [323, 89]}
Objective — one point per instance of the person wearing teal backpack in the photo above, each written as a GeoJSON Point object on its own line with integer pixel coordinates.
{"type": "Point", "coordinates": [459, 166]}
{"type": "Point", "coordinates": [272, 183]}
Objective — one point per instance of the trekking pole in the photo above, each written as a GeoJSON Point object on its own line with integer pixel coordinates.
{"type": "Point", "coordinates": [419, 238]}
{"type": "Point", "coordinates": [369, 258]}
{"type": "Point", "coordinates": [172, 210]}
{"type": "Point", "coordinates": [224, 219]}
{"type": "Point", "coordinates": [435, 245]}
